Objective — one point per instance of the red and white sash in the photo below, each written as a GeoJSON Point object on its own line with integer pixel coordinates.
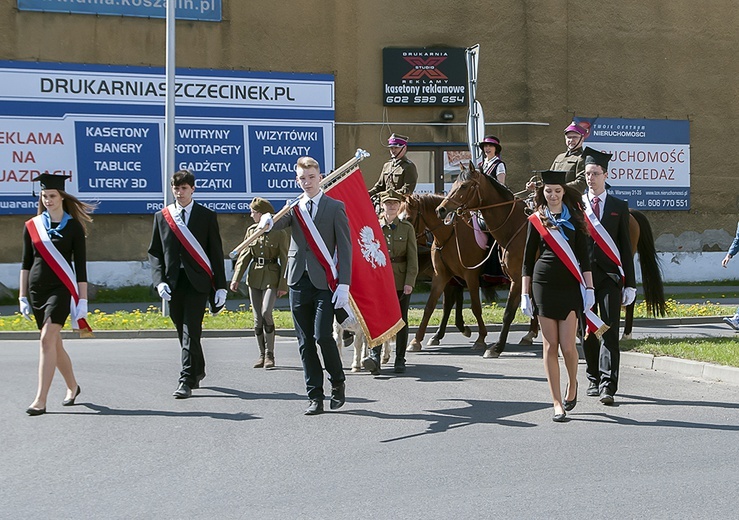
{"type": "Point", "coordinates": [564, 252]}
{"type": "Point", "coordinates": [601, 236]}
{"type": "Point", "coordinates": [187, 239]}
{"type": "Point", "coordinates": [320, 250]}
{"type": "Point", "coordinates": [61, 268]}
{"type": "Point", "coordinates": [317, 245]}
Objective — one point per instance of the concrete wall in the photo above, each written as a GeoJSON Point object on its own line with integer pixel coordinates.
{"type": "Point", "coordinates": [540, 61]}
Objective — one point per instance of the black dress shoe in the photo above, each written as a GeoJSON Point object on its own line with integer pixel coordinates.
{"type": "Point", "coordinates": [338, 396]}
{"type": "Point", "coordinates": [593, 389]}
{"type": "Point", "coordinates": [560, 417]}
{"type": "Point", "coordinates": [35, 411]}
{"type": "Point", "coordinates": [70, 402]}
{"type": "Point", "coordinates": [606, 397]}
{"type": "Point", "coordinates": [569, 405]}
{"type": "Point", "coordinates": [183, 392]}
{"type": "Point", "coordinates": [315, 407]}
{"type": "Point", "coordinates": [399, 368]}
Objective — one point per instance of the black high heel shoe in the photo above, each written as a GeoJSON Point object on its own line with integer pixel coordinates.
{"type": "Point", "coordinates": [570, 405]}
{"type": "Point", "coordinates": [70, 402]}
{"type": "Point", "coordinates": [35, 411]}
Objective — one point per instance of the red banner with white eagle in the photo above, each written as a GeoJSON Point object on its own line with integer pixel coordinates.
{"type": "Point", "coordinates": [372, 289]}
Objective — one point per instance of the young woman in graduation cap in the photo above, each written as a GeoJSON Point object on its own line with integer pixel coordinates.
{"type": "Point", "coordinates": [53, 241]}
{"type": "Point", "coordinates": [556, 245]}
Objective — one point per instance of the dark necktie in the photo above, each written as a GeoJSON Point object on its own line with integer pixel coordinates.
{"type": "Point", "coordinates": [310, 209]}
{"type": "Point", "coordinates": [596, 207]}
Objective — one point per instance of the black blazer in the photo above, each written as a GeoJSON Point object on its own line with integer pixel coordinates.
{"type": "Point", "coordinates": [166, 253]}
{"type": "Point", "coordinates": [615, 219]}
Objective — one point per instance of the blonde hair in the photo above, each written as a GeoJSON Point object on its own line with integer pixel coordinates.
{"type": "Point", "coordinates": [77, 209]}
{"type": "Point", "coordinates": [308, 162]}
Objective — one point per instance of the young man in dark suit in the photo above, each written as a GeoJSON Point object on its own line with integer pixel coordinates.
{"type": "Point", "coordinates": [615, 285]}
{"type": "Point", "coordinates": [186, 259]}
{"type": "Point", "coordinates": [312, 301]}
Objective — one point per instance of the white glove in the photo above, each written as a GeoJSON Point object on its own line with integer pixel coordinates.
{"type": "Point", "coordinates": [341, 296]}
{"type": "Point", "coordinates": [220, 299]}
{"type": "Point", "coordinates": [265, 222]}
{"type": "Point", "coordinates": [165, 293]}
{"type": "Point", "coordinates": [25, 307]}
{"type": "Point", "coordinates": [589, 299]}
{"type": "Point", "coordinates": [526, 306]}
{"type": "Point", "coordinates": [628, 295]}
{"type": "Point", "coordinates": [81, 309]}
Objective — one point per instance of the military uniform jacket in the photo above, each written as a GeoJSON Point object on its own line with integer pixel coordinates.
{"type": "Point", "coordinates": [574, 165]}
{"type": "Point", "coordinates": [615, 219]}
{"type": "Point", "coordinates": [400, 175]}
{"type": "Point", "coordinates": [265, 261]}
{"type": "Point", "coordinates": [400, 236]}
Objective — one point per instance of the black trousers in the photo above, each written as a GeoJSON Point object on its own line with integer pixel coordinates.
{"type": "Point", "coordinates": [187, 309]}
{"type": "Point", "coordinates": [603, 356]}
{"type": "Point", "coordinates": [313, 314]}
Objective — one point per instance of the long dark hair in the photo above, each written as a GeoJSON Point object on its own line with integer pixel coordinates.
{"type": "Point", "coordinates": [78, 210]}
{"type": "Point", "coordinates": [571, 198]}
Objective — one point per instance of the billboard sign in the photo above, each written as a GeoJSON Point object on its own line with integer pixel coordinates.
{"type": "Point", "coordinates": [650, 168]}
{"type": "Point", "coordinates": [241, 133]}
{"type": "Point", "coordinates": [202, 10]}
{"type": "Point", "coordinates": [424, 77]}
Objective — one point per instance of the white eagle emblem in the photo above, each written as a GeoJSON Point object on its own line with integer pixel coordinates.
{"type": "Point", "coordinates": [371, 250]}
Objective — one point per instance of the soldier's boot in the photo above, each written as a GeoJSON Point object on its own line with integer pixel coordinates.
{"type": "Point", "coordinates": [399, 367]}
{"type": "Point", "coordinates": [261, 343]}
{"type": "Point", "coordinates": [372, 362]}
{"type": "Point", "coordinates": [269, 341]}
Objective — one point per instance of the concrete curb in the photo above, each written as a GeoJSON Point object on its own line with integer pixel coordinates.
{"type": "Point", "coordinates": [684, 367]}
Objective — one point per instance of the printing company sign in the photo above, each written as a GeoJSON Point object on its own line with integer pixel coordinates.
{"type": "Point", "coordinates": [650, 167]}
{"type": "Point", "coordinates": [241, 133]}
{"type": "Point", "coordinates": [424, 77]}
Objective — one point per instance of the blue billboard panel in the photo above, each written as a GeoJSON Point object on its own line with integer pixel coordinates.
{"type": "Point", "coordinates": [273, 152]}
{"type": "Point", "coordinates": [650, 167]}
{"type": "Point", "coordinates": [203, 10]}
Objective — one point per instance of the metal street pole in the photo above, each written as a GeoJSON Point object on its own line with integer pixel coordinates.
{"type": "Point", "coordinates": [475, 117]}
{"type": "Point", "coordinates": [169, 134]}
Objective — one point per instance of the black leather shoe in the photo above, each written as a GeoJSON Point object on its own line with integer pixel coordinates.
{"type": "Point", "coordinates": [70, 402]}
{"type": "Point", "coordinates": [399, 368]}
{"type": "Point", "coordinates": [570, 405]}
{"type": "Point", "coordinates": [593, 389]}
{"type": "Point", "coordinates": [315, 407]}
{"type": "Point", "coordinates": [35, 411]}
{"type": "Point", "coordinates": [560, 417]}
{"type": "Point", "coordinates": [183, 392]}
{"type": "Point", "coordinates": [606, 397]}
{"type": "Point", "coordinates": [338, 396]}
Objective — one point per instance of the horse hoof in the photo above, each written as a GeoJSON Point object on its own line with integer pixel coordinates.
{"type": "Point", "coordinates": [491, 353]}
{"type": "Point", "coordinates": [356, 369]}
{"type": "Point", "coordinates": [433, 342]}
{"type": "Point", "coordinates": [414, 346]}
{"type": "Point", "coordinates": [479, 345]}
{"type": "Point", "coordinates": [526, 341]}
{"type": "Point", "coordinates": [467, 332]}
{"type": "Point", "coordinates": [626, 337]}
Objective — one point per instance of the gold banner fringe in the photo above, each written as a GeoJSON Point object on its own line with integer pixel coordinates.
{"type": "Point", "coordinates": [385, 336]}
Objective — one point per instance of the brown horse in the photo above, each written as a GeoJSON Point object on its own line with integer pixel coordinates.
{"type": "Point", "coordinates": [506, 216]}
{"type": "Point", "coordinates": [450, 258]}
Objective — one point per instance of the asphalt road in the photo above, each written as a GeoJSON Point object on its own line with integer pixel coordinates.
{"type": "Point", "coordinates": [457, 436]}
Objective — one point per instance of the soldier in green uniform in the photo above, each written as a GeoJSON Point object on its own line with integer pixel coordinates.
{"type": "Point", "coordinates": [265, 262]}
{"type": "Point", "coordinates": [399, 173]}
{"type": "Point", "coordinates": [401, 244]}
{"type": "Point", "coordinates": [571, 161]}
